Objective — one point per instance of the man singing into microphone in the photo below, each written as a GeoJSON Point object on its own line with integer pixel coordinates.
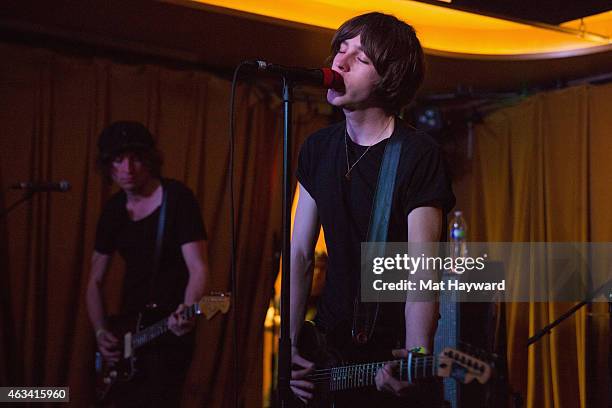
{"type": "Point", "coordinates": [381, 62]}
{"type": "Point", "coordinates": [130, 224]}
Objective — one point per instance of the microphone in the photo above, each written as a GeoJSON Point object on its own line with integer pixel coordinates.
{"type": "Point", "coordinates": [325, 77]}
{"type": "Point", "coordinates": [41, 186]}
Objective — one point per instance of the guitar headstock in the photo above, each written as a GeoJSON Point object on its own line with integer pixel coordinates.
{"type": "Point", "coordinates": [462, 366]}
{"type": "Point", "coordinates": [216, 302]}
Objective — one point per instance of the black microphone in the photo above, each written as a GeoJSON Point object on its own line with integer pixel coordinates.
{"type": "Point", "coordinates": [41, 186]}
{"type": "Point", "coordinates": [325, 77]}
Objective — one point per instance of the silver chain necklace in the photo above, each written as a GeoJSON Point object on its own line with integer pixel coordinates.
{"type": "Point", "coordinates": [349, 167]}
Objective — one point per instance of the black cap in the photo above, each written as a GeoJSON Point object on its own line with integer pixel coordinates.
{"type": "Point", "coordinates": [124, 136]}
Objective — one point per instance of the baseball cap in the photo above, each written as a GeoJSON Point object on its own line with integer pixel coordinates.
{"type": "Point", "coordinates": [124, 136]}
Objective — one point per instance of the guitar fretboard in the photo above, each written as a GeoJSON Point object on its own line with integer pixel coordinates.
{"type": "Point", "coordinates": [363, 375]}
{"type": "Point", "coordinates": [150, 333]}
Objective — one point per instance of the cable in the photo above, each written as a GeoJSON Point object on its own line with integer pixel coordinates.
{"type": "Point", "coordinates": [233, 237]}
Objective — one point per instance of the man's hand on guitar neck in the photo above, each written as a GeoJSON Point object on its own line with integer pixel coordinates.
{"type": "Point", "coordinates": [302, 388]}
{"type": "Point", "coordinates": [108, 345]}
{"type": "Point", "coordinates": [178, 324]}
{"type": "Point", "coordinates": [386, 381]}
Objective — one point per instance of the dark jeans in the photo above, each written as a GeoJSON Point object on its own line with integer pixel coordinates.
{"type": "Point", "coordinates": [426, 395]}
{"type": "Point", "coordinates": [159, 380]}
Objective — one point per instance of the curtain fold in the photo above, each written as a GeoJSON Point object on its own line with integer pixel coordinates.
{"type": "Point", "coordinates": [542, 172]}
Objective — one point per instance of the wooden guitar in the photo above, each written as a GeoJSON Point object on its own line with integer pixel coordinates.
{"type": "Point", "coordinates": [333, 375]}
{"type": "Point", "coordinates": [133, 335]}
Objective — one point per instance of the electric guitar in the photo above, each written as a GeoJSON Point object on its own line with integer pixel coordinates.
{"type": "Point", "coordinates": [133, 335]}
{"type": "Point", "coordinates": [332, 374]}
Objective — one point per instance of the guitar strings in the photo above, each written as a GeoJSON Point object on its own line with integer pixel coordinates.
{"type": "Point", "coordinates": [426, 359]}
{"type": "Point", "coordinates": [366, 372]}
{"type": "Point", "coordinates": [321, 375]}
{"type": "Point", "coordinates": [144, 336]}
{"type": "Point", "coordinates": [424, 365]}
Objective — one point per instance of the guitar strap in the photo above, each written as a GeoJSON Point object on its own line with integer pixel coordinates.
{"type": "Point", "coordinates": [365, 314]}
{"type": "Point", "coordinates": [159, 240]}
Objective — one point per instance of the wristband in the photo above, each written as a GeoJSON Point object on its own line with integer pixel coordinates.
{"type": "Point", "coordinates": [419, 350]}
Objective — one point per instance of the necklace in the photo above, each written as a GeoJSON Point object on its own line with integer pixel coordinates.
{"type": "Point", "coordinates": [349, 167]}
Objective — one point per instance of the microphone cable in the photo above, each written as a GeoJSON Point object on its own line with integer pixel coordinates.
{"type": "Point", "coordinates": [233, 276]}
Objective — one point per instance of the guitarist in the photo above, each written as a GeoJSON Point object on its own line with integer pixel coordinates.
{"type": "Point", "coordinates": [381, 62]}
{"type": "Point", "coordinates": [129, 224]}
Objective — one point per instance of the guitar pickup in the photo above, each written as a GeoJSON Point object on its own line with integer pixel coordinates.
{"type": "Point", "coordinates": [127, 345]}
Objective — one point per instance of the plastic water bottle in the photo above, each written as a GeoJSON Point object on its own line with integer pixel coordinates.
{"type": "Point", "coordinates": [457, 236]}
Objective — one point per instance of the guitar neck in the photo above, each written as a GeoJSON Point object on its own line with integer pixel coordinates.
{"type": "Point", "coordinates": [362, 375]}
{"type": "Point", "coordinates": [152, 332]}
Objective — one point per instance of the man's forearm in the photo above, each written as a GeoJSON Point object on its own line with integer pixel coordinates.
{"type": "Point", "coordinates": [95, 307]}
{"type": "Point", "coordinates": [301, 279]}
{"type": "Point", "coordinates": [95, 304]}
{"type": "Point", "coordinates": [196, 259]}
{"type": "Point", "coordinates": [424, 226]}
{"type": "Point", "coordinates": [195, 288]}
{"type": "Point", "coordinates": [421, 323]}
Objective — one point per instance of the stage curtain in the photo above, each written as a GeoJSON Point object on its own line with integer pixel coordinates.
{"type": "Point", "coordinates": [542, 171]}
{"type": "Point", "coordinates": [54, 105]}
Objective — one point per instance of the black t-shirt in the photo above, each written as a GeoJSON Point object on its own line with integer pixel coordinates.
{"type": "Point", "coordinates": [344, 207]}
{"type": "Point", "coordinates": [135, 242]}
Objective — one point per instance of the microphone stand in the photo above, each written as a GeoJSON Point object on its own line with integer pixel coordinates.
{"type": "Point", "coordinates": [546, 329]}
{"type": "Point", "coordinates": [284, 342]}
{"type": "Point", "coordinates": [27, 195]}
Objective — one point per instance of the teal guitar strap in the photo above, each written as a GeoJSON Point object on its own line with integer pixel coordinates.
{"type": "Point", "coordinates": [159, 240]}
{"type": "Point", "coordinates": [365, 314]}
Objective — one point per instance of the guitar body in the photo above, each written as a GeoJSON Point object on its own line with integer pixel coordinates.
{"type": "Point", "coordinates": [107, 375]}
{"type": "Point", "coordinates": [137, 331]}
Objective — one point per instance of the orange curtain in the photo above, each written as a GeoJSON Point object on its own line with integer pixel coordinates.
{"type": "Point", "coordinates": [542, 172]}
{"type": "Point", "coordinates": [53, 108]}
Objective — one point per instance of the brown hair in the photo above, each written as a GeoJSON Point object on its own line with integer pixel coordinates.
{"type": "Point", "coordinates": [127, 137]}
{"type": "Point", "coordinates": [395, 51]}
{"type": "Point", "coordinates": [151, 158]}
